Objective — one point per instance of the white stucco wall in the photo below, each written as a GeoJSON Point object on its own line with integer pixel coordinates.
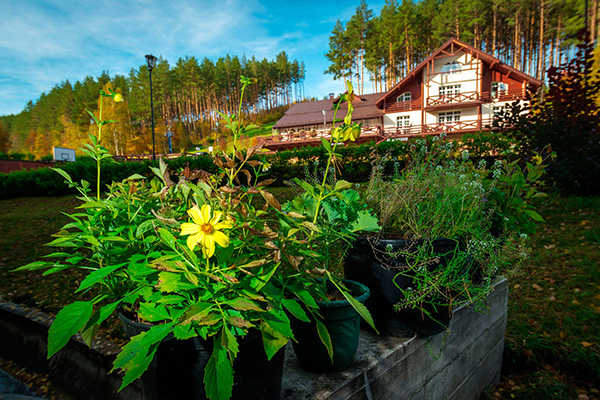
{"type": "Point", "coordinates": [389, 120]}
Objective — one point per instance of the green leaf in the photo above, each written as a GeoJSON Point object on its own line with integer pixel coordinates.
{"type": "Point", "coordinates": [273, 341]}
{"type": "Point", "coordinates": [534, 215]}
{"type": "Point", "coordinates": [197, 312]}
{"type": "Point", "coordinates": [242, 304]}
{"type": "Point", "coordinates": [357, 305]}
{"type": "Point", "coordinates": [365, 222]}
{"type": "Point", "coordinates": [68, 322]}
{"type": "Point", "coordinates": [230, 342]}
{"type": "Point", "coordinates": [341, 185]}
{"type": "Point", "coordinates": [218, 374]}
{"type": "Point", "coordinates": [135, 356]}
{"type": "Point", "coordinates": [93, 117]}
{"type": "Point", "coordinates": [134, 177]}
{"type": "Point", "coordinates": [183, 332]}
{"type": "Point", "coordinates": [34, 266]}
{"type": "Point", "coordinates": [64, 174]}
{"type": "Point", "coordinates": [279, 322]}
{"type": "Point", "coordinates": [97, 276]}
{"type": "Point", "coordinates": [325, 338]}
{"type": "Point", "coordinates": [326, 144]}
{"type": "Point", "coordinates": [296, 309]}
{"type": "Point", "coordinates": [305, 185]}
{"type": "Point", "coordinates": [153, 312]}
{"type": "Point", "coordinates": [97, 318]}
{"type": "Point", "coordinates": [167, 238]}
{"type": "Point", "coordinates": [170, 282]}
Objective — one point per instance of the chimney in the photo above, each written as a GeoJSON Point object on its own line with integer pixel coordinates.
{"type": "Point", "coordinates": [331, 96]}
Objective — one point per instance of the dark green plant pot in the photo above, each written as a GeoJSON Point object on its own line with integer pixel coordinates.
{"type": "Point", "coordinates": [177, 370]}
{"type": "Point", "coordinates": [368, 262]}
{"type": "Point", "coordinates": [343, 325]}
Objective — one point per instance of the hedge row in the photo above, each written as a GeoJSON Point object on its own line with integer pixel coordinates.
{"type": "Point", "coordinates": [46, 182]}
{"type": "Point", "coordinates": [355, 162]}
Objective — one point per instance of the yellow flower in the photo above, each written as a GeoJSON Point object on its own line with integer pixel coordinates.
{"type": "Point", "coordinates": [118, 97]}
{"type": "Point", "coordinates": [205, 230]}
{"type": "Point", "coordinates": [346, 132]}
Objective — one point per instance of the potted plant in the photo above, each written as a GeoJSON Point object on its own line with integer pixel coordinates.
{"type": "Point", "coordinates": [189, 260]}
{"type": "Point", "coordinates": [316, 229]}
{"type": "Point", "coordinates": [435, 250]}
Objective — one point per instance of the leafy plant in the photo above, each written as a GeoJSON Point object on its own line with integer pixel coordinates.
{"type": "Point", "coordinates": [209, 277]}
{"type": "Point", "coordinates": [442, 196]}
{"type": "Point", "coordinates": [318, 226]}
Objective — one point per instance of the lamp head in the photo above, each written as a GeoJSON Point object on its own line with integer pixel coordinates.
{"type": "Point", "coordinates": [150, 61]}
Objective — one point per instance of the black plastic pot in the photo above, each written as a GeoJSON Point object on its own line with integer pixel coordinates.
{"type": "Point", "coordinates": [343, 325]}
{"type": "Point", "coordinates": [177, 370]}
{"type": "Point", "coordinates": [368, 262]}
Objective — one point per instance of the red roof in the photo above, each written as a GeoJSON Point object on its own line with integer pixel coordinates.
{"type": "Point", "coordinates": [311, 112]}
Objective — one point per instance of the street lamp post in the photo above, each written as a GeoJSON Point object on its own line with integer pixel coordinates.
{"type": "Point", "coordinates": [151, 62]}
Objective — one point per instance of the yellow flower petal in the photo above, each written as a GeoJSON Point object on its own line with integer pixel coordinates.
{"type": "Point", "coordinates": [222, 225]}
{"type": "Point", "coordinates": [194, 239]}
{"type": "Point", "coordinates": [215, 219]}
{"type": "Point", "coordinates": [205, 214]}
{"type": "Point", "coordinates": [194, 212]}
{"type": "Point", "coordinates": [189, 228]}
{"type": "Point", "coordinates": [221, 239]}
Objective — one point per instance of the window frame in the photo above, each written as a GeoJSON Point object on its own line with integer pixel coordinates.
{"type": "Point", "coordinates": [450, 67]}
{"type": "Point", "coordinates": [442, 116]}
{"type": "Point", "coordinates": [403, 96]}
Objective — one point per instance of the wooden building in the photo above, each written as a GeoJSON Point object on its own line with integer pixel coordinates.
{"type": "Point", "coordinates": [458, 89]}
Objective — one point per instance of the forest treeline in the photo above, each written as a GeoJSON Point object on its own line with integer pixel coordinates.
{"type": "Point", "coordinates": [530, 35]}
{"type": "Point", "coordinates": [186, 96]}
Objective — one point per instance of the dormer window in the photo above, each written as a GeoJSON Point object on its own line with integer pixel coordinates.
{"type": "Point", "coordinates": [407, 96]}
{"type": "Point", "coordinates": [451, 67]}
{"type": "Point", "coordinates": [498, 89]}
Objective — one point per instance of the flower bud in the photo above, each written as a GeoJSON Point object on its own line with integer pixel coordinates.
{"type": "Point", "coordinates": [118, 97]}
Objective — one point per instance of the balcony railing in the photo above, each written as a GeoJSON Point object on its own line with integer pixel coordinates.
{"type": "Point", "coordinates": [400, 106]}
{"type": "Point", "coordinates": [437, 128]}
{"type": "Point", "coordinates": [452, 98]}
{"type": "Point", "coordinates": [456, 98]}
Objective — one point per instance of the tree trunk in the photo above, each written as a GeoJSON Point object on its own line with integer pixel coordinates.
{"type": "Point", "coordinates": [541, 49]}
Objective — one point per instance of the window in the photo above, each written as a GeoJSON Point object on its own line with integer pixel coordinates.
{"type": "Point", "coordinates": [404, 97]}
{"type": "Point", "coordinates": [499, 88]}
{"type": "Point", "coordinates": [451, 67]}
{"type": "Point", "coordinates": [449, 90]}
{"type": "Point", "coordinates": [448, 116]}
{"type": "Point", "coordinates": [498, 111]}
{"type": "Point", "coordinates": [403, 123]}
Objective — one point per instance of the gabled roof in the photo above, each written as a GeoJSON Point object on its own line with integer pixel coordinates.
{"type": "Point", "coordinates": [493, 63]}
{"type": "Point", "coordinates": [311, 112]}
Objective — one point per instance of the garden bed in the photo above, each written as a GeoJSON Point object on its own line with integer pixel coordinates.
{"type": "Point", "coordinates": [456, 364]}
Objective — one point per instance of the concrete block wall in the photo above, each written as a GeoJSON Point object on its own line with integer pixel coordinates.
{"type": "Point", "coordinates": [457, 364]}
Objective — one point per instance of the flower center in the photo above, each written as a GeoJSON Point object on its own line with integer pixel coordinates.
{"type": "Point", "coordinates": [207, 228]}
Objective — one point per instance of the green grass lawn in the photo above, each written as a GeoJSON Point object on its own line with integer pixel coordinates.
{"type": "Point", "coordinates": [552, 346]}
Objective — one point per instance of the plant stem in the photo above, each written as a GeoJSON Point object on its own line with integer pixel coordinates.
{"type": "Point", "coordinates": [97, 152]}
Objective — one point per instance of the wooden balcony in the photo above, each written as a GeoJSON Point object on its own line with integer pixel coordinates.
{"type": "Point", "coordinates": [452, 99]}
{"type": "Point", "coordinates": [450, 128]}
{"type": "Point", "coordinates": [448, 101]}
{"type": "Point", "coordinates": [290, 140]}
{"type": "Point", "coordinates": [286, 141]}
{"type": "Point", "coordinates": [472, 98]}
{"type": "Point", "coordinates": [400, 106]}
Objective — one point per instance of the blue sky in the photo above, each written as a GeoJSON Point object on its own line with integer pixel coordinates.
{"type": "Point", "coordinates": [43, 43]}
